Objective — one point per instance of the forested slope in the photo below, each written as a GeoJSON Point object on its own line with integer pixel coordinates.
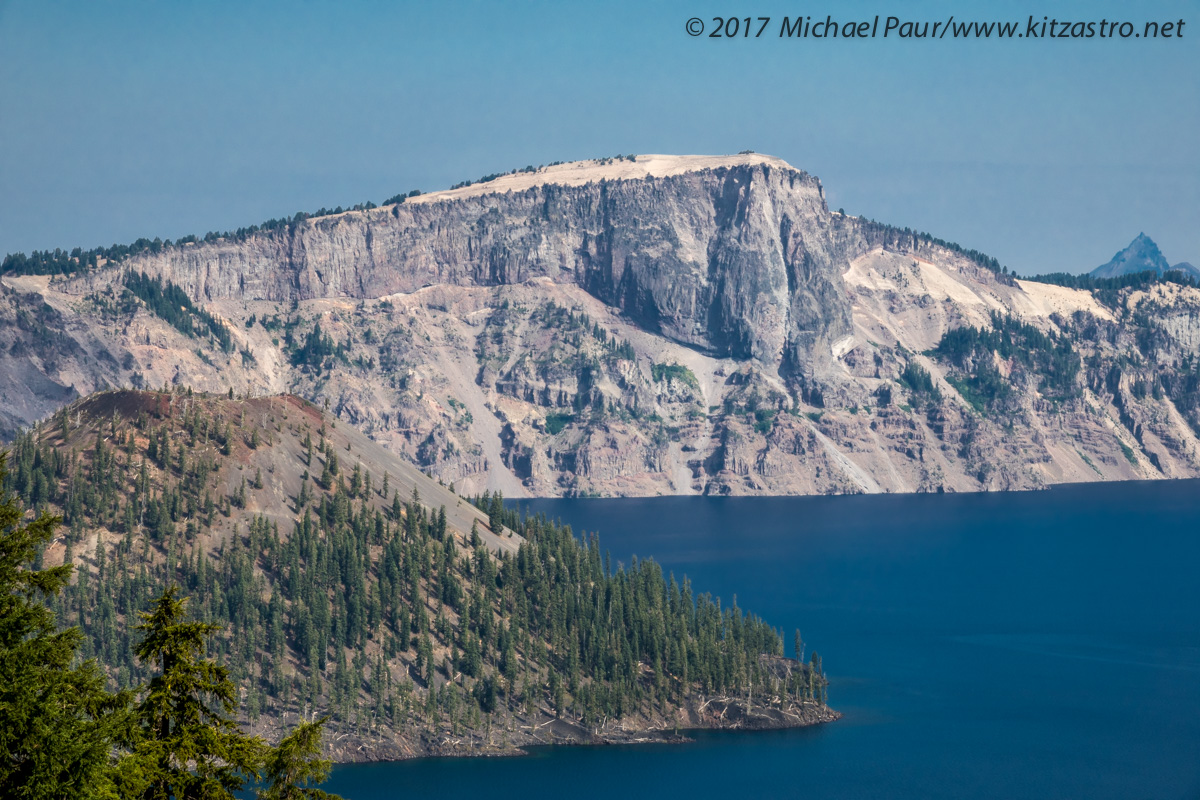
{"type": "Point", "coordinates": [349, 584]}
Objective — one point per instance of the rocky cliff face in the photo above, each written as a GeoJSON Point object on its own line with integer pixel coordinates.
{"type": "Point", "coordinates": [737, 257]}
{"type": "Point", "coordinates": [671, 325]}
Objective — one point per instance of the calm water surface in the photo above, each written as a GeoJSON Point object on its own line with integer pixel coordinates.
{"type": "Point", "coordinates": [1015, 645]}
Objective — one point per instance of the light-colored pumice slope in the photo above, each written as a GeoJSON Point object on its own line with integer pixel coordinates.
{"type": "Point", "coordinates": [580, 173]}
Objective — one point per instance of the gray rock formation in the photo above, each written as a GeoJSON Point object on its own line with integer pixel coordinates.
{"type": "Point", "coordinates": [738, 259]}
{"type": "Point", "coordinates": [670, 325]}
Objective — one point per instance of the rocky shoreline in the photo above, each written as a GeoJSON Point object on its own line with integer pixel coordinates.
{"type": "Point", "coordinates": [708, 714]}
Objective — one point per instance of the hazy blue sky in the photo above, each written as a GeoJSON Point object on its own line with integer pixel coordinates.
{"type": "Point", "coordinates": [119, 120]}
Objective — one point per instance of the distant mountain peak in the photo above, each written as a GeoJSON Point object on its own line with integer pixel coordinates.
{"type": "Point", "coordinates": [1187, 268]}
{"type": "Point", "coordinates": [1141, 255]}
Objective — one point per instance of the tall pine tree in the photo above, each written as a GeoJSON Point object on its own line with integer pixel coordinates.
{"type": "Point", "coordinates": [58, 725]}
{"type": "Point", "coordinates": [191, 745]}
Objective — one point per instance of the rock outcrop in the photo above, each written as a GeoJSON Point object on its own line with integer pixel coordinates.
{"type": "Point", "coordinates": [737, 257]}
{"type": "Point", "coordinates": [666, 325]}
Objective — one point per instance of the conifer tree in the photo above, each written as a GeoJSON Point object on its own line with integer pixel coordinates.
{"type": "Point", "coordinates": [190, 745]}
{"type": "Point", "coordinates": [295, 764]}
{"type": "Point", "coordinates": [495, 513]}
{"type": "Point", "coordinates": [58, 725]}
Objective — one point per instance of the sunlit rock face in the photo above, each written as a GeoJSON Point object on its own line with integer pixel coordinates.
{"type": "Point", "coordinates": [657, 325]}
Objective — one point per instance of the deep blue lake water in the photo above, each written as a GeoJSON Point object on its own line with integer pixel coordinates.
{"type": "Point", "coordinates": [1035, 645]}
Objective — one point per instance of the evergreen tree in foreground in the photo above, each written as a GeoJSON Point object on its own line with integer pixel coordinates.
{"type": "Point", "coordinates": [57, 722]}
{"type": "Point", "coordinates": [63, 735]}
{"type": "Point", "coordinates": [190, 746]}
{"type": "Point", "coordinates": [295, 764]}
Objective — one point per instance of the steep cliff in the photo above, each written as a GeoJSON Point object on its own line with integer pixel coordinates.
{"type": "Point", "coordinates": [667, 325]}
{"type": "Point", "coordinates": [734, 256]}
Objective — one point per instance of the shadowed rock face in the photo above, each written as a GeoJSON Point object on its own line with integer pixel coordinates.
{"type": "Point", "coordinates": [737, 261]}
